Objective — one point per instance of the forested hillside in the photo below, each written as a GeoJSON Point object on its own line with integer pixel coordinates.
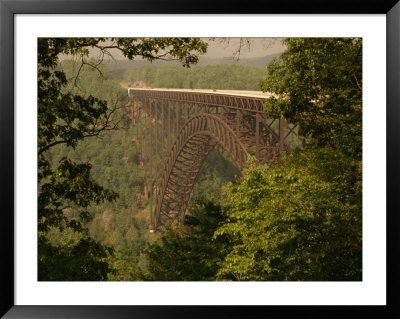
{"type": "Point", "coordinates": [118, 67]}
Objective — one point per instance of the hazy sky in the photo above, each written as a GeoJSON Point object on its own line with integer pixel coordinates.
{"type": "Point", "coordinates": [259, 47]}
{"type": "Point", "coordinates": [226, 47]}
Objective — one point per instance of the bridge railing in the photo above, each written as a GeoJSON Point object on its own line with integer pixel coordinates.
{"type": "Point", "coordinates": [245, 103]}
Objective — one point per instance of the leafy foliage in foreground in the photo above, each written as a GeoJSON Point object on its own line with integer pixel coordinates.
{"type": "Point", "coordinates": [300, 221]}
{"type": "Point", "coordinates": [189, 253]}
{"type": "Point", "coordinates": [73, 260]}
{"type": "Point", "coordinates": [318, 83]}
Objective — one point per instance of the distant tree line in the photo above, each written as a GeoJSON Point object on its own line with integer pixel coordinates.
{"type": "Point", "coordinates": [222, 77]}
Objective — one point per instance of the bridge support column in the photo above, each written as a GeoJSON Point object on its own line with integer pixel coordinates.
{"type": "Point", "coordinates": [257, 137]}
{"type": "Point", "coordinates": [162, 132]}
{"type": "Point", "coordinates": [157, 149]}
{"type": "Point", "coordinates": [137, 117]}
{"type": "Point", "coordinates": [140, 134]}
{"type": "Point", "coordinates": [151, 159]}
{"type": "Point", "coordinates": [169, 127]}
{"type": "Point", "coordinates": [176, 120]}
{"type": "Point", "coordinates": [282, 124]}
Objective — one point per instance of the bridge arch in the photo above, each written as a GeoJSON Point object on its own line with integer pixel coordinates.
{"type": "Point", "coordinates": [196, 120]}
{"type": "Point", "coordinates": [195, 140]}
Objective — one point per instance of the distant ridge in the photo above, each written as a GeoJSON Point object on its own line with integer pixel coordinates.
{"type": "Point", "coordinates": [260, 62]}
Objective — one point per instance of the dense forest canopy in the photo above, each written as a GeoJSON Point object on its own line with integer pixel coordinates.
{"type": "Point", "coordinates": [299, 219]}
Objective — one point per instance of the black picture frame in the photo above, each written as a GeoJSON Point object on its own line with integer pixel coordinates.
{"type": "Point", "coordinates": [9, 8]}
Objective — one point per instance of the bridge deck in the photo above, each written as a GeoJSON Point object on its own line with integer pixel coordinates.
{"type": "Point", "coordinates": [252, 101]}
{"type": "Point", "coordinates": [255, 94]}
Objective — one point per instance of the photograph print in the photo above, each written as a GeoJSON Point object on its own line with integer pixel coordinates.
{"type": "Point", "coordinates": [199, 159]}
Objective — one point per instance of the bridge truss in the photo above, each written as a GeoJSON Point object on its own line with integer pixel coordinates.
{"type": "Point", "coordinates": [185, 126]}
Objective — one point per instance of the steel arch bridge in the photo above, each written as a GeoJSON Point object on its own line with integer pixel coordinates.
{"type": "Point", "coordinates": [185, 125]}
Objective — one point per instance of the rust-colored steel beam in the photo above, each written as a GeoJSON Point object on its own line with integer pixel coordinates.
{"type": "Point", "coordinates": [252, 104]}
{"type": "Point", "coordinates": [195, 140]}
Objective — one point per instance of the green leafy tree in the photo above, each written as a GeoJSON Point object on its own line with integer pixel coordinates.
{"type": "Point", "coordinates": [65, 118]}
{"type": "Point", "coordinates": [298, 221]}
{"type": "Point", "coordinates": [318, 85]}
{"type": "Point", "coordinates": [189, 253]}
{"type": "Point", "coordinates": [302, 219]}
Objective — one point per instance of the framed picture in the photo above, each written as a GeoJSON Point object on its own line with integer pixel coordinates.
{"type": "Point", "coordinates": [22, 23]}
